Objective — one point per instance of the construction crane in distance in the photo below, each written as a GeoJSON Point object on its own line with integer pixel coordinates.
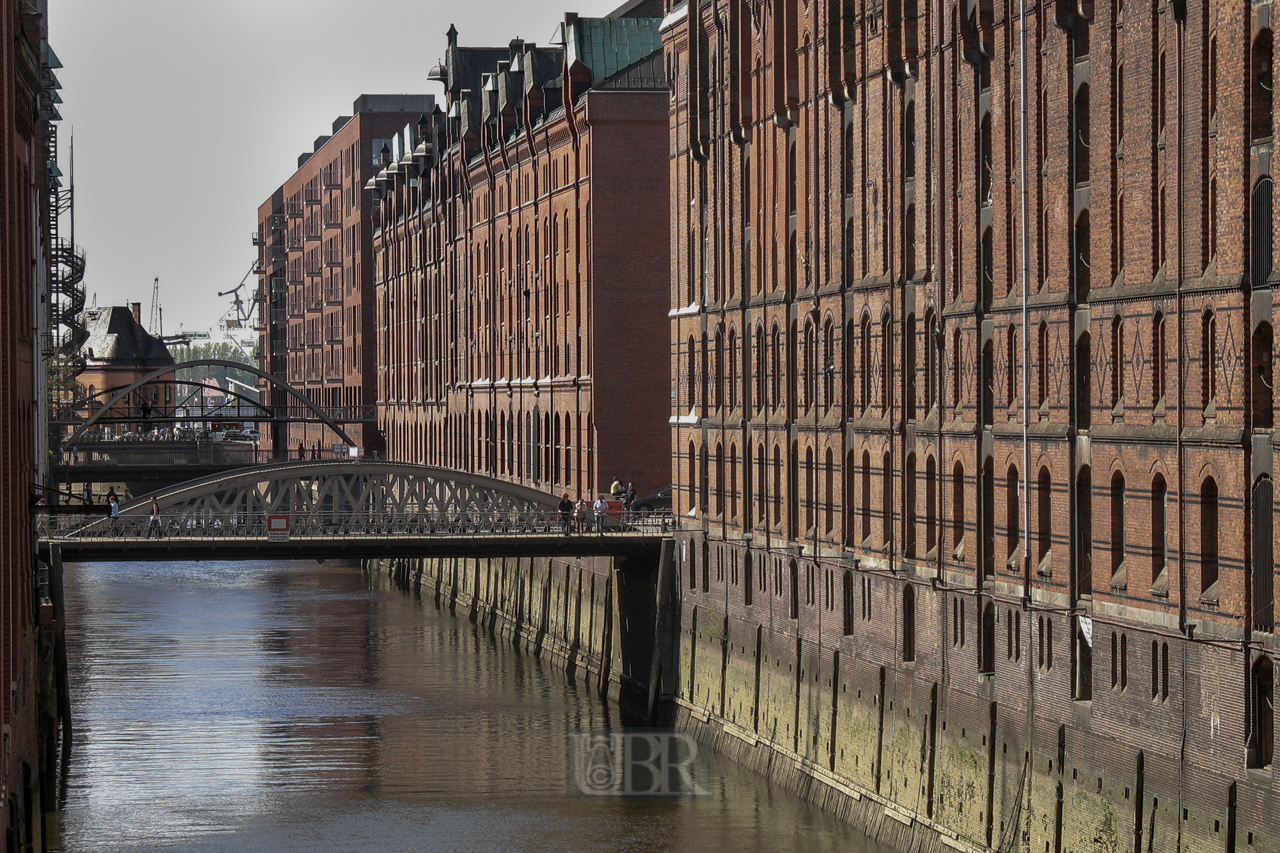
{"type": "Point", "coordinates": [157, 313]}
{"type": "Point", "coordinates": [241, 314]}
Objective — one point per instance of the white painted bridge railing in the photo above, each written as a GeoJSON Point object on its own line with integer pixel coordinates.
{"type": "Point", "coordinates": [363, 525]}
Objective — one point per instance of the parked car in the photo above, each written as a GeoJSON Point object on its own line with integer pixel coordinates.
{"type": "Point", "coordinates": [659, 501]}
{"type": "Point", "coordinates": [251, 434]}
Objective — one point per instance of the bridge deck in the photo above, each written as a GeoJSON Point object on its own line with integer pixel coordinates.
{"type": "Point", "coordinates": [137, 538]}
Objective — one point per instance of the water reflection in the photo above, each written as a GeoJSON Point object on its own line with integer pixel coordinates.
{"type": "Point", "coordinates": [287, 707]}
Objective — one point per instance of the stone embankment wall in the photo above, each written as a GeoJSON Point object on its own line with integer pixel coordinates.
{"type": "Point", "coordinates": [594, 617]}
{"type": "Point", "coordinates": [926, 754]}
{"type": "Point", "coordinates": [899, 727]}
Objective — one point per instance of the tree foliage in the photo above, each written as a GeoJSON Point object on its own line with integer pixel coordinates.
{"type": "Point", "coordinates": [221, 350]}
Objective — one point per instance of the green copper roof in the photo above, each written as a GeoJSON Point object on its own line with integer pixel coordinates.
{"type": "Point", "coordinates": [608, 45]}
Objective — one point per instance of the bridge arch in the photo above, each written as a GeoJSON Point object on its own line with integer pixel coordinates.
{"type": "Point", "coordinates": [208, 362]}
{"type": "Point", "coordinates": [356, 486]}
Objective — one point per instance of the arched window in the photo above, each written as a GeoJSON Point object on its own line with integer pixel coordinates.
{"type": "Point", "coordinates": [810, 485]}
{"type": "Point", "coordinates": [864, 378]}
{"type": "Point", "coordinates": [1044, 520]}
{"type": "Point", "coordinates": [809, 368]}
{"type": "Point", "coordinates": [1209, 541]}
{"type": "Point", "coordinates": [987, 390]}
{"type": "Point", "coordinates": [1013, 517]}
{"type": "Point", "coordinates": [719, 487]}
{"type": "Point", "coordinates": [1208, 360]}
{"type": "Point", "coordinates": [692, 379]}
{"type": "Point", "coordinates": [1083, 574]}
{"type": "Point", "coordinates": [827, 498]}
{"type": "Point", "coordinates": [909, 366]}
{"type": "Point", "coordinates": [794, 609]}
{"type": "Point", "coordinates": [1159, 535]}
{"type": "Point", "coordinates": [886, 364]}
{"type": "Point", "coordinates": [1119, 574]}
{"type": "Point", "coordinates": [987, 644]}
{"type": "Point", "coordinates": [909, 498]}
{"type": "Point", "coordinates": [956, 368]}
{"type": "Point", "coordinates": [775, 368]}
{"type": "Point", "coordinates": [734, 379]}
{"type": "Point", "coordinates": [717, 380]}
{"type": "Point", "coordinates": [865, 504]}
{"type": "Point", "coordinates": [1159, 377]}
{"type": "Point", "coordinates": [957, 512]}
{"type": "Point", "coordinates": [1042, 368]}
{"type": "Point", "coordinates": [909, 623]}
{"type": "Point", "coordinates": [930, 506]}
{"type": "Point", "coordinates": [692, 462]}
{"type": "Point", "coordinates": [886, 499]}
{"type": "Point", "coordinates": [932, 359]}
{"type": "Point", "coordinates": [761, 371]}
{"type": "Point", "coordinates": [1011, 366]}
{"type": "Point", "coordinates": [1262, 707]}
{"type": "Point", "coordinates": [828, 366]}
{"type": "Point", "coordinates": [762, 477]}
{"type": "Point", "coordinates": [1117, 362]}
{"type": "Point", "coordinates": [1263, 564]}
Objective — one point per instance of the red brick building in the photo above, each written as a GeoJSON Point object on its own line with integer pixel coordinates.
{"type": "Point", "coordinates": [118, 352]}
{"type": "Point", "coordinates": [316, 292]}
{"type": "Point", "coordinates": [972, 330]}
{"type": "Point", "coordinates": [522, 263]}
{"type": "Point", "coordinates": [28, 711]}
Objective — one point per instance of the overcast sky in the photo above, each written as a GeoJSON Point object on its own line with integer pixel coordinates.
{"type": "Point", "coordinates": [188, 114]}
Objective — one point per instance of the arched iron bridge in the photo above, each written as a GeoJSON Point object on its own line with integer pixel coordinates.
{"type": "Point", "coordinates": [357, 509]}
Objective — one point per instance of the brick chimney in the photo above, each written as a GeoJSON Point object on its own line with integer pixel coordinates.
{"type": "Point", "coordinates": [136, 308]}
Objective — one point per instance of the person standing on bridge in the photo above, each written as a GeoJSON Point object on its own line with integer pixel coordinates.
{"type": "Point", "coordinates": [600, 508]}
{"type": "Point", "coordinates": [566, 512]}
{"type": "Point", "coordinates": [154, 523]}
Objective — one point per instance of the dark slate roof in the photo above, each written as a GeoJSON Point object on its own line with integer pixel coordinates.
{"type": "Point", "coordinates": [608, 45]}
{"type": "Point", "coordinates": [648, 73]}
{"type": "Point", "coordinates": [115, 338]}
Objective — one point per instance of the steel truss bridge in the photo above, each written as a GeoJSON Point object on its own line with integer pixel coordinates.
{"type": "Point", "coordinates": [135, 434]}
{"type": "Point", "coordinates": [347, 509]}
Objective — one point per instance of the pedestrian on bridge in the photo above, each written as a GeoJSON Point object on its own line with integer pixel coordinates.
{"type": "Point", "coordinates": [154, 523]}
{"type": "Point", "coordinates": [601, 509]}
{"type": "Point", "coordinates": [566, 512]}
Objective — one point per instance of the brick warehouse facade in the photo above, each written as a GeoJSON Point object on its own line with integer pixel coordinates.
{"type": "Point", "coordinates": [972, 312]}
{"type": "Point", "coordinates": [523, 263]}
{"type": "Point", "coordinates": [28, 702]}
{"type": "Point", "coordinates": [315, 239]}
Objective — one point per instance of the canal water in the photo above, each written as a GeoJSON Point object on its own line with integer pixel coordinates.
{"type": "Point", "coordinates": [304, 707]}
